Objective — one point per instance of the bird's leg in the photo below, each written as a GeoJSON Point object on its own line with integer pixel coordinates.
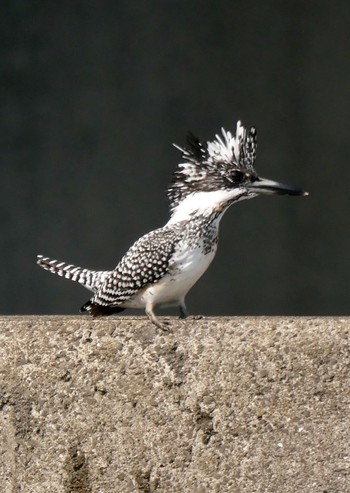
{"type": "Point", "coordinates": [152, 316]}
{"type": "Point", "coordinates": [183, 310]}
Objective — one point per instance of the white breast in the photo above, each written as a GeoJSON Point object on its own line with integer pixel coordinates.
{"type": "Point", "coordinates": [187, 267]}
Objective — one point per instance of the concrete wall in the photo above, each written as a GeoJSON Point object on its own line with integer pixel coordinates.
{"type": "Point", "coordinates": [214, 405]}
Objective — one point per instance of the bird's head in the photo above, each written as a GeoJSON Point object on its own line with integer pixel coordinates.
{"type": "Point", "coordinates": [215, 174]}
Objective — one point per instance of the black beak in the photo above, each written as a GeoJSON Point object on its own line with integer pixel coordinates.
{"type": "Point", "coordinates": [270, 187]}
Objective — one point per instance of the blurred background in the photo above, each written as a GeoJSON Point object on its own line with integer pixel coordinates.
{"type": "Point", "coordinates": [93, 94]}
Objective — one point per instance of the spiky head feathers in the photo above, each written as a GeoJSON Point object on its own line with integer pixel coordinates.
{"type": "Point", "coordinates": [223, 164]}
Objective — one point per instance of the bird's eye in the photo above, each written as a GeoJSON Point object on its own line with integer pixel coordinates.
{"type": "Point", "coordinates": [238, 176]}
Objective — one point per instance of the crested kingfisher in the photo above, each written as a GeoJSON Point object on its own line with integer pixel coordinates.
{"type": "Point", "coordinates": [162, 266]}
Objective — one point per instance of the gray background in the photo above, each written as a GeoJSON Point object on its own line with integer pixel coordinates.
{"type": "Point", "coordinates": [94, 93]}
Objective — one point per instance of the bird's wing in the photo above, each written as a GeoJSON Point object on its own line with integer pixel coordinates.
{"type": "Point", "coordinates": [146, 262]}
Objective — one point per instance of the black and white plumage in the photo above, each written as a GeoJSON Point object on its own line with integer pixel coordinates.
{"type": "Point", "coordinates": [161, 267]}
{"type": "Point", "coordinates": [217, 165]}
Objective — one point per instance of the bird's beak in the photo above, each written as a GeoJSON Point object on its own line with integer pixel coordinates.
{"type": "Point", "coordinates": [270, 187]}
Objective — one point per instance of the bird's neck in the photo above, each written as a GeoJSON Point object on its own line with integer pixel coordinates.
{"type": "Point", "coordinates": [203, 206]}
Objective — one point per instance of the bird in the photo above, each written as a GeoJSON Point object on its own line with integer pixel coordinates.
{"type": "Point", "coordinates": [162, 266]}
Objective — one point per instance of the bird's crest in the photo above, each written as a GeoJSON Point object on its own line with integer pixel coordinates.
{"type": "Point", "coordinates": [222, 164]}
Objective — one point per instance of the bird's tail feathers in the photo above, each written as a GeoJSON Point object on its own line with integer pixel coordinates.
{"type": "Point", "coordinates": [90, 279]}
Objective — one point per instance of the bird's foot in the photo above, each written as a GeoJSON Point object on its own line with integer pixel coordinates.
{"type": "Point", "coordinates": [195, 317]}
{"type": "Point", "coordinates": [183, 312]}
{"type": "Point", "coordinates": [164, 325]}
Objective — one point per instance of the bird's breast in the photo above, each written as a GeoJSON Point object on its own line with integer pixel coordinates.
{"type": "Point", "coordinates": [186, 267]}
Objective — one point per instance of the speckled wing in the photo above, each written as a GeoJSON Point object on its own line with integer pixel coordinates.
{"type": "Point", "coordinates": [146, 262]}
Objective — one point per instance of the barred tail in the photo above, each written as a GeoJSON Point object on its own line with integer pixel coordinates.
{"type": "Point", "coordinates": [90, 279]}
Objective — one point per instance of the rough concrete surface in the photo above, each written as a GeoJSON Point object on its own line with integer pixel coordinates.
{"type": "Point", "coordinates": [213, 405]}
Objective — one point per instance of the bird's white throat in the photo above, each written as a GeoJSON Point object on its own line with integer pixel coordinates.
{"type": "Point", "coordinates": [205, 203]}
